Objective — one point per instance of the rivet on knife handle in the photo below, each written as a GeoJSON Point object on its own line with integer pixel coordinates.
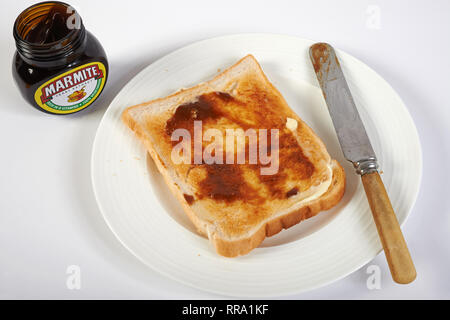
{"type": "Point", "coordinates": [357, 149]}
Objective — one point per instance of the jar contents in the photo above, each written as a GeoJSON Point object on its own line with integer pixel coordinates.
{"type": "Point", "coordinates": [52, 26]}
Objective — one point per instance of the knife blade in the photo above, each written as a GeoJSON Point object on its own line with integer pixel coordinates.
{"type": "Point", "coordinates": [356, 147]}
{"type": "Point", "coordinates": [350, 130]}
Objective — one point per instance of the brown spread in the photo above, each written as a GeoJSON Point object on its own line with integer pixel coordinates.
{"type": "Point", "coordinates": [233, 182]}
{"type": "Point", "coordinates": [320, 54]}
{"type": "Point", "coordinates": [292, 192]}
{"type": "Point", "coordinates": [189, 199]}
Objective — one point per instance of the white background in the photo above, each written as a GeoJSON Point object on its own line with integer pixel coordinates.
{"type": "Point", "coordinates": [48, 215]}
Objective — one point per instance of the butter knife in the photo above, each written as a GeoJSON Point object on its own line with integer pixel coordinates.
{"type": "Point", "coordinates": [357, 149]}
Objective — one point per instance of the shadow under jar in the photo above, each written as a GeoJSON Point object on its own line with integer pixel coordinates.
{"type": "Point", "coordinates": [59, 66]}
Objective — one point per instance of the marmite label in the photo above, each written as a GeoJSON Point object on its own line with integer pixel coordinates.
{"type": "Point", "coordinates": [73, 90]}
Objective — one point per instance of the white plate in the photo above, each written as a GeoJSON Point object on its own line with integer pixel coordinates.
{"type": "Point", "coordinates": [148, 221]}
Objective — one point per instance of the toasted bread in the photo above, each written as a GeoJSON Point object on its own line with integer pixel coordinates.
{"type": "Point", "coordinates": [234, 204]}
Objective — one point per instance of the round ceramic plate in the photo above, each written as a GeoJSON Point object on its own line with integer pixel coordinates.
{"type": "Point", "coordinates": [147, 219]}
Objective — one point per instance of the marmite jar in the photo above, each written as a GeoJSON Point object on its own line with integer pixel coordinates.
{"type": "Point", "coordinates": [59, 66]}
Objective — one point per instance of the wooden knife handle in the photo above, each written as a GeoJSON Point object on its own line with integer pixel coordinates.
{"type": "Point", "coordinates": [397, 254]}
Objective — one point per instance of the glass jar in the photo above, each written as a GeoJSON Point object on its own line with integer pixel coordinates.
{"type": "Point", "coordinates": [59, 66]}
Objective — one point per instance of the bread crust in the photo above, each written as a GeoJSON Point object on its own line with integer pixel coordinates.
{"type": "Point", "coordinates": [232, 247]}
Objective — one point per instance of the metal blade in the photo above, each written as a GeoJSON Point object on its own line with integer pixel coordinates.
{"type": "Point", "coordinates": [350, 130]}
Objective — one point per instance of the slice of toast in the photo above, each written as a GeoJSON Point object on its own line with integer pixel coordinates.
{"type": "Point", "coordinates": [234, 203]}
